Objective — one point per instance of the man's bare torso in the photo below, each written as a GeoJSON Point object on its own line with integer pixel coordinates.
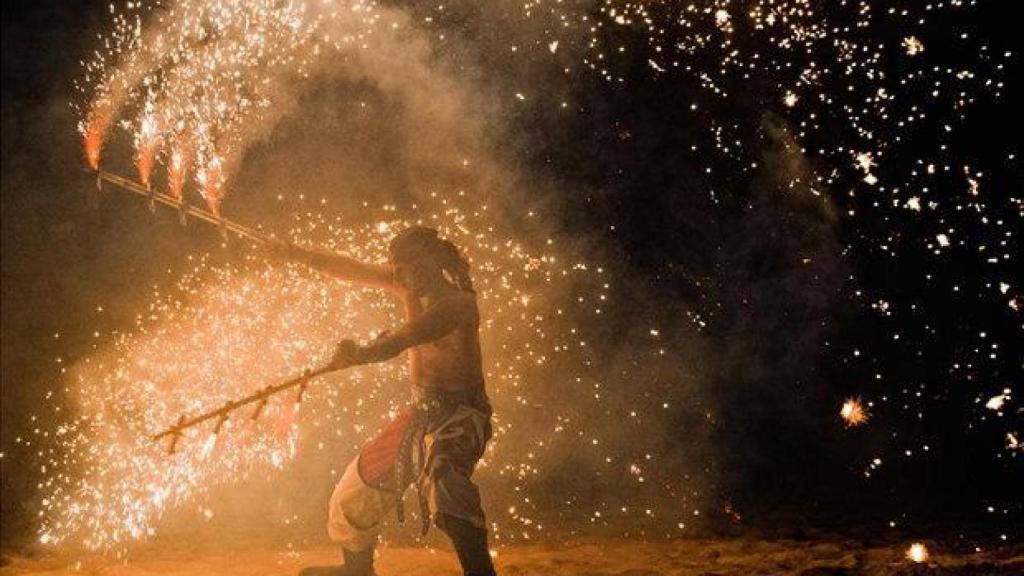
{"type": "Point", "coordinates": [452, 362]}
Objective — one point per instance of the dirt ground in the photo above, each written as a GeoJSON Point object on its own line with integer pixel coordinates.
{"type": "Point", "coordinates": [602, 557]}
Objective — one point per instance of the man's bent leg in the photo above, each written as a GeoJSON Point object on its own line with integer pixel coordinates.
{"type": "Point", "coordinates": [353, 520]}
{"type": "Point", "coordinates": [356, 509]}
{"type": "Point", "coordinates": [362, 499]}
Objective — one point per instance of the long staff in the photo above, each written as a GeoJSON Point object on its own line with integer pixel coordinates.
{"type": "Point", "coordinates": [222, 414]}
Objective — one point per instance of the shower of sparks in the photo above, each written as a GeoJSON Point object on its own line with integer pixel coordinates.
{"type": "Point", "coordinates": [189, 80]}
{"type": "Point", "coordinates": [228, 331]}
{"type": "Point", "coordinates": [858, 87]}
{"type": "Point", "coordinates": [203, 72]}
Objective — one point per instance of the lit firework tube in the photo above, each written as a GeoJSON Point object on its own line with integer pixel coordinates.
{"type": "Point", "coordinates": [177, 170]}
{"type": "Point", "coordinates": [94, 132]}
{"type": "Point", "coordinates": [211, 183]}
{"type": "Point", "coordinates": [145, 148]}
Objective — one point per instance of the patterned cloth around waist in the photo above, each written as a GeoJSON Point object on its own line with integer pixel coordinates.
{"type": "Point", "coordinates": [403, 452]}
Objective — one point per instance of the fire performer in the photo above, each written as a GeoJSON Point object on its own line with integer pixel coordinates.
{"type": "Point", "coordinates": [435, 443]}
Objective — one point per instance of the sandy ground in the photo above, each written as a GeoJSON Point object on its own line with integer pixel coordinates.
{"type": "Point", "coordinates": [605, 557]}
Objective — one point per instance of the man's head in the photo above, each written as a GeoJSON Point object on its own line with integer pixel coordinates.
{"type": "Point", "coordinates": [422, 261]}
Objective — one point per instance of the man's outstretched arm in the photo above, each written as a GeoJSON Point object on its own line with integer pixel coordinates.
{"type": "Point", "coordinates": [437, 322]}
{"type": "Point", "coordinates": [337, 265]}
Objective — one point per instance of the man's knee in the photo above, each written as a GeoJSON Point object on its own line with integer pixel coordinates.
{"type": "Point", "coordinates": [356, 510]}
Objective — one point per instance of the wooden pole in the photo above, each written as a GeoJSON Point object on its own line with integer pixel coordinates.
{"type": "Point", "coordinates": [221, 414]}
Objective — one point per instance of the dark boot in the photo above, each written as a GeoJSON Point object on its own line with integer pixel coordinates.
{"type": "Point", "coordinates": [358, 563]}
{"type": "Point", "coordinates": [470, 545]}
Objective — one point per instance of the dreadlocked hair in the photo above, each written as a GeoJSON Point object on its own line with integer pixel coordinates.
{"type": "Point", "coordinates": [416, 241]}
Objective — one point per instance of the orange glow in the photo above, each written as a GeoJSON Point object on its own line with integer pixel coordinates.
{"type": "Point", "coordinates": [145, 144]}
{"type": "Point", "coordinates": [853, 412]}
{"type": "Point", "coordinates": [917, 553]}
{"type": "Point", "coordinates": [177, 169]}
{"type": "Point", "coordinates": [211, 181]}
{"type": "Point", "coordinates": [94, 134]}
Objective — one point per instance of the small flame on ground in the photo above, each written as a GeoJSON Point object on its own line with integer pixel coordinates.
{"type": "Point", "coordinates": [917, 553]}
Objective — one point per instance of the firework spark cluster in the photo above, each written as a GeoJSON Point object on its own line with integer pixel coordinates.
{"type": "Point", "coordinates": [187, 79]}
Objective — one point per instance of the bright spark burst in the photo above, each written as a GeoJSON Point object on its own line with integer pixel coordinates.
{"type": "Point", "coordinates": [853, 412]}
{"type": "Point", "coordinates": [917, 553]}
{"type": "Point", "coordinates": [996, 402]}
{"type": "Point", "coordinates": [913, 46]}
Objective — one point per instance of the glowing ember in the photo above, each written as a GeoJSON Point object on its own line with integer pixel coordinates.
{"type": "Point", "coordinates": [853, 412]}
{"type": "Point", "coordinates": [996, 402]}
{"type": "Point", "coordinates": [913, 46]}
{"type": "Point", "coordinates": [917, 553]}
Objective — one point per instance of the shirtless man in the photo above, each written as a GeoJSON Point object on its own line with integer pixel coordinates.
{"type": "Point", "coordinates": [435, 443]}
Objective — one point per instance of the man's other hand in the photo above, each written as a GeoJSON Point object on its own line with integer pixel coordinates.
{"type": "Point", "coordinates": [345, 354]}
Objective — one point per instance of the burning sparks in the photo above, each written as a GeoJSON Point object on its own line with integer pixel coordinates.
{"type": "Point", "coordinates": [176, 172]}
{"type": "Point", "coordinates": [853, 413]}
{"type": "Point", "coordinates": [145, 144]}
{"type": "Point", "coordinates": [913, 46]}
{"type": "Point", "coordinates": [917, 553]}
{"type": "Point", "coordinates": [211, 183]}
{"type": "Point", "coordinates": [94, 133]}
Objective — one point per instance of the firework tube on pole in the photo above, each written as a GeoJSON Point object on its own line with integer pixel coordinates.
{"type": "Point", "coordinates": [154, 197]}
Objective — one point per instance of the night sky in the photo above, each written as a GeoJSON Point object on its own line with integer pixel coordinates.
{"type": "Point", "coordinates": [783, 271]}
